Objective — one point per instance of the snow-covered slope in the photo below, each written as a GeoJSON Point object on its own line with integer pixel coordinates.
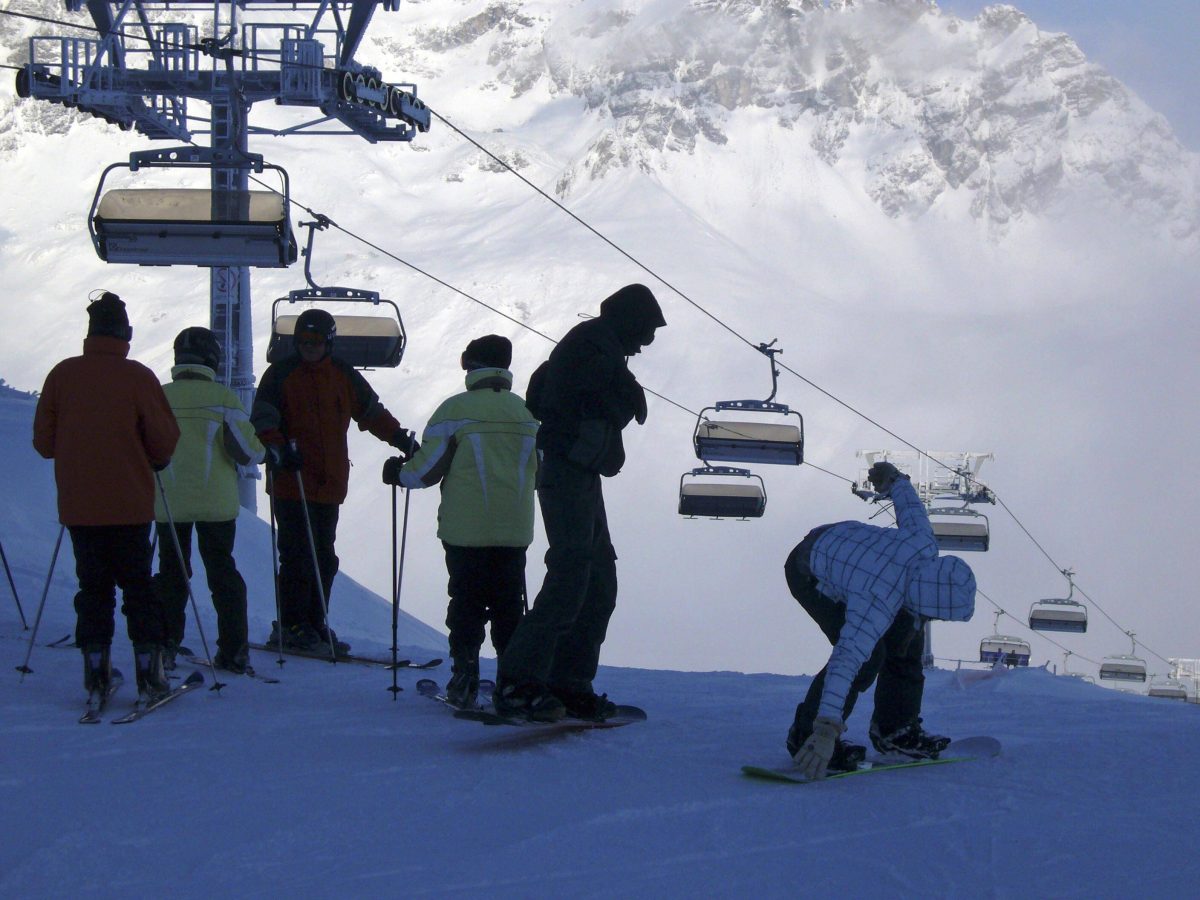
{"type": "Point", "coordinates": [324, 786]}
{"type": "Point", "coordinates": [963, 229]}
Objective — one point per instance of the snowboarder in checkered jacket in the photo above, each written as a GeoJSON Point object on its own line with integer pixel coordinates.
{"type": "Point", "coordinates": [871, 589]}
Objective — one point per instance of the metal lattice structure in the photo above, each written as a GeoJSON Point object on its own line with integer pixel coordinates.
{"type": "Point", "coordinates": [149, 67]}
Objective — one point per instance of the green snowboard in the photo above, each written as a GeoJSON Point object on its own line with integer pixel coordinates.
{"type": "Point", "coordinates": [959, 751]}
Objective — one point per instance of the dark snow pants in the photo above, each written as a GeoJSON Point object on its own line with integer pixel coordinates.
{"type": "Point", "coordinates": [487, 584]}
{"type": "Point", "coordinates": [896, 659]}
{"type": "Point", "coordinates": [225, 583]}
{"type": "Point", "coordinates": [108, 557]}
{"type": "Point", "coordinates": [558, 643]}
{"type": "Point", "coordinates": [299, 599]}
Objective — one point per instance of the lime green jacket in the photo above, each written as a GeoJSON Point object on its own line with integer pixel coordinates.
{"type": "Point", "coordinates": [480, 446]}
{"type": "Point", "coordinates": [216, 438]}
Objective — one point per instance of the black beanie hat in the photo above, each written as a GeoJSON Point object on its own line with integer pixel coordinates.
{"type": "Point", "coordinates": [488, 352]}
{"type": "Point", "coordinates": [107, 317]}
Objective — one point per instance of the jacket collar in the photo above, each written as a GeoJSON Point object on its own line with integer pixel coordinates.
{"type": "Point", "coordinates": [478, 379]}
{"type": "Point", "coordinates": [101, 344]}
{"type": "Point", "coordinates": [192, 371]}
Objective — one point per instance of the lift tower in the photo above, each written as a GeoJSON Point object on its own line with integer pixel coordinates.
{"type": "Point", "coordinates": [147, 68]}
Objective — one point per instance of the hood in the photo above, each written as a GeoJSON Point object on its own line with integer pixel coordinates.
{"type": "Point", "coordinates": [478, 379]}
{"type": "Point", "coordinates": [942, 588]}
{"type": "Point", "coordinates": [634, 314]}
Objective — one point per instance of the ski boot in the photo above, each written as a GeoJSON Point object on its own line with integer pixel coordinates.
{"type": "Point", "coordinates": [170, 651]}
{"type": "Point", "coordinates": [151, 679]}
{"type": "Point", "coordinates": [462, 689]}
{"type": "Point", "coordinates": [586, 705]}
{"type": "Point", "coordinates": [527, 701]}
{"type": "Point", "coordinates": [236, 662]}
{"type": "Point", "coordinates": [325, 635]}
{"type": "Point", "coordinates": [97, 669]}
{"type": "Point", "coordinates": [910, 740]}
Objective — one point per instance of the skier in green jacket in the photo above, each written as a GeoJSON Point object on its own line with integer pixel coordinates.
{"type": "Point", "coordinates": [480, 446]}
{"type": "Point", "coordinates": [216, 439]}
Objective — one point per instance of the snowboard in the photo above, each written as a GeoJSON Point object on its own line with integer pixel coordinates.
{"type": "Point", "coordinates": [625, 715]}
{"type": "Point", "coordinates": [963, 750]}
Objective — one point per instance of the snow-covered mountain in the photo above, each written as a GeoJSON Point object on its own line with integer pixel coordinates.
{"type": "Point", "coordinates": [961, 228]}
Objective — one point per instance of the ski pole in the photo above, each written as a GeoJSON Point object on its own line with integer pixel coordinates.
{"type": "Point", "coordinates": [275, 565]}
{"type": "Point", "coordinates": [37, 620]}
{"type": "Point", "coordinates": [12, 584]}
{"type": "Point", "coordinates": [312, 545]}
{"type": "Point", "coordinates": [399, 571]}
{"type": "Point", "coordinates": [398, 579]}
{"type": "Point", "coordinates": [183, 571]}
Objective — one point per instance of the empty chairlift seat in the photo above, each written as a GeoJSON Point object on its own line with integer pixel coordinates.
{"type": "Point", "coordinates": [193, 227]}
{"type": "Point", "coordinates": [1168, 689]}
{"type": "Point", "coordinates": [959, 529]}
{"type": "Point", "coordinates": [1123, 668]}
{"type": "Point", "coordinates": [750, 441]}
{"type": "Point", "coordinates": [720, 492]}
{"type": "Point", "coordinates": [1058, 615]}
{"type": "Point", "coordinates": [364, 341]}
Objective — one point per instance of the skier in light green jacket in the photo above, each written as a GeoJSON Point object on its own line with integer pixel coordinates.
{"type": "Point", "coordinates": [201, 487]}
{"type": "Point", "coordinates": [480, 446]}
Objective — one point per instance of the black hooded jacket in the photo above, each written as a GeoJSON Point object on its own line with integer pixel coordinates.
{"type": "Point", "coordinates": [584, 394]}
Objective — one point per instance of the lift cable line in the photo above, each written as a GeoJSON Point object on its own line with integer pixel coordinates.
{"type": "Point", "coordinates": [209, 47]}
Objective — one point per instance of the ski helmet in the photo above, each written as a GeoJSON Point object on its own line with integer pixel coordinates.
{"type": "Point", "coordinates": [197, 346]}
{"type": "Point", "coordinates": [319, 322]}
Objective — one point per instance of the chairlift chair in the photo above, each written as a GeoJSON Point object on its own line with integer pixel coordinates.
{"type": "Point", "coordinates": [363, 341]}
{"type": "Point", "coordinates": [1168, 689]}
{"type": "Point", "coordinates": [959, 528]}
{"type": "Point", "coordinates": [193, 226]}
{"type": "Point", "coordinates": [750, 441]}
{"type": "Point", "coordinates": [1064, 615]}
{"type": "Point", "coordinates": [1003, 648]}
{"type": "Point", "coordinates": [722, 498]}
{"type": "Point", "coordinates": [1124, 667]}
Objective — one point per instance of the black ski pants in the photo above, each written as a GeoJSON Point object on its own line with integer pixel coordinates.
{"type": "Point", "coordinates": [487, 584]}
{"type": "Point", "coordinates": [557, 644]}
{"type": "Point", "coordinates": [299, 599]}
{"type": "Point", "coordinates": [225, 583]}
{"type": "Point", "coordinates": [896, 659]}
{"type": "Point", "coordinates": [108, 557]}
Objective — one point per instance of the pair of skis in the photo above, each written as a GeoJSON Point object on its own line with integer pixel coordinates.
{"type": "Point", "coordinates": [625, 715]}
{"type": "Point", "coordinates": [98, 701]}
{"type": "Point", "coordinates": [348, 658]}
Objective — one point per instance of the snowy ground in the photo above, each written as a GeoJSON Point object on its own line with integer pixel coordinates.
{"type": "Point", "coordinates": [323, 785]}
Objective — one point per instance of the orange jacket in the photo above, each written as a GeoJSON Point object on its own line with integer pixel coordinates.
{"type": "Point", "coordinates": [105, 421]}
{"type": "Point", "coordinates": [312, 404]}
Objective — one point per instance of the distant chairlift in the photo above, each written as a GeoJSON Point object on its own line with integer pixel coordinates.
{"type": "Point", "coordinates": [1064, 615]}
{"type": "Point", "coordinates": [749, 441]}
{"type": "Point", "coordinates": [1124, 667]}
{"type": "Point", "coordinates": [193, 226]}
{"type": "Point", "coordinates": [720, 492]}
{"type": "Point", "coordinates": [1169, 689]}
{"type": "Point", "coordinates": [1003, 648]}
{"type": "Point", "coordinates": [363, 341]}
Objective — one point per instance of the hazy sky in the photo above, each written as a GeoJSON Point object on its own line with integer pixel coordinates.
{"type": "Point", "coordinates": [1149, 45]}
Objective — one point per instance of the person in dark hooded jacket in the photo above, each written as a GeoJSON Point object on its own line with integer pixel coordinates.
{"type": "Point", "coordinates": [584, 395]}
{"type": "Point", "coordinates": [871, 589]}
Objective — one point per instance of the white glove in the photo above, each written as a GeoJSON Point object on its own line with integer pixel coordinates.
{"type": "Point", "coordinates": [813, 757]}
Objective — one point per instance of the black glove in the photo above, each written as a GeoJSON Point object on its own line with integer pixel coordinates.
{"type": "Point", "coordinates": [635, 395]}
{"type": "Point", "coordinates": [882, 476]}
{"type": "Point", "coordinates": [406, 442]}
{"type": "Point", "coordinates": [284, 458]}
{"type": "Point", "coordinates": [391, 469]}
